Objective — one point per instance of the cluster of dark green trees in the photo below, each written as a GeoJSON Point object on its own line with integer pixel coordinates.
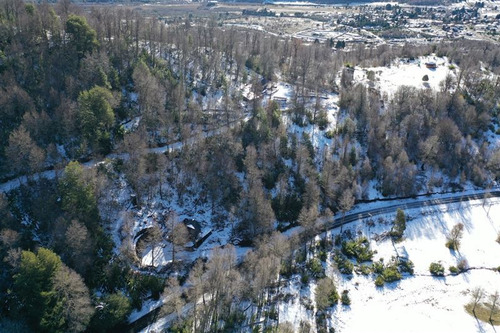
{"type": "Point", "coordinates": [55, 256]}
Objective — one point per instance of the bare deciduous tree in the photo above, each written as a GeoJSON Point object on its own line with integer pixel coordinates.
{"type": "Point", "coordinates": [493, 305]}
{"type": "Point", "coordinates": [477, 296]}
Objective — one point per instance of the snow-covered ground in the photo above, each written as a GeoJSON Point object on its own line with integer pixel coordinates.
{"type": "Point", "coordinates": [407, 73]}
{"type": "Point", "coordinates": [419, 303]}
{"type": "Point", "coordinates": [416, 304]}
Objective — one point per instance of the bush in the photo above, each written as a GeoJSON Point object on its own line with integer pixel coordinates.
{"type": "Point", "coordinates": [304, 278]}
{"type": "Point", "coordinates": [344, 265]}
{"type": "Point", "coordinates": [338, 240]}
{"type": "Point", "coordinates": [364, 269]}
{"type": "Point", "coordinates": [300, 257]}
{"type": "Point", "coordinates": [325, 244]}
{"type": "Point", "coordinates": [391, 274]}
{"type": "Point", "coordinates": [315, 267]}
{"type": "Point", "coordinates": [463, 265]}
{"type": "Point", "coordinates": [378, 267]}
{"type": "Point", "coordinates": [406, 266]}
{"type": "Point", "coordinates": [306, 302]}
{"type": "Point", "coordinates": [399, 226]}
{"type": "Point", "coordinates": [453, 240]}
{"type": "Point", "coordinates": [453, 270]}
{"type": "Point", "coordinates": [235, 319]}
{"type": "Point", "coordinates": [436, 269]}
{"type": "Point", "coordinates": [329, 134]}
{"type": "Point", "coordinates": [345, 299]}
{"type": "Point", "coordinates": [359, 249]}
{"type": "Point", "coordinates": [326, 294]}
{"type": "Point", "coordinates": [322, 120]}
{"type": "Point", "coordinates": [181, 326]}
{"type": "Point", "coordinates": [379, 281]}
{"type": "Point", "coordinates": [273, 314]}
{"type": "Point", "coordinates": [287, 270]}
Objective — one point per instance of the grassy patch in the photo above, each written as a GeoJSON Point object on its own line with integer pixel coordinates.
{"type": "Point", "coordinates": [483, 313]}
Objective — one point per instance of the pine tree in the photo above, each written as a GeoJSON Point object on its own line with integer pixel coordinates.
{"type": "Point", "coordinates": [399, 226]}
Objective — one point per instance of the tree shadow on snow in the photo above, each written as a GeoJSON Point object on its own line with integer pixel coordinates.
{"type": "Point", "coordinates": [479, 326]}
{"type": "Point", "coordinates": [427, 224]}
{"type": "Point", "coordinates": [430, 222]}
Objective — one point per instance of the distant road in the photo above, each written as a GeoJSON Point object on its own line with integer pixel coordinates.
{"type": "Point", "coordinates": [51, 174]}
{"type": "Point", "coordinates": [417, 203]}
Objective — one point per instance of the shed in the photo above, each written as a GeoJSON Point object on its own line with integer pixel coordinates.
{"type": "Point", "coordinates": [194, 229]}
{"type": "Point", "coordinates": [431, 65]}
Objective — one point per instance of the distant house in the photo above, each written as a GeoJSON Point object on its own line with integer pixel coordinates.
{"type": "Point", "coordinates": [431, 65]}
{"type": "Point", "coordinates": [281, 101]}
{"type": "Point", "coordinates": [195, 235]}
{"type": "Point", "coordinates": [193, 227]}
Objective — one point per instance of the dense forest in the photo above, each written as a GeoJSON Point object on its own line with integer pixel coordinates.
{"type": "Point", "coordinates": [71, 83]}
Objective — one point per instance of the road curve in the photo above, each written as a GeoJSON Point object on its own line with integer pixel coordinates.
{"type": "Point", "coordinates": [174, 146]}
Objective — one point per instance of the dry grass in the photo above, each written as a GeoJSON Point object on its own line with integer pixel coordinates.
{"type": "Point", "coordinates": [482, 313]}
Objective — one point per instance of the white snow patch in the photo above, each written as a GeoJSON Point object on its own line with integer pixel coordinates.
{"type": "Point", "coordinates": [407, 73]}
{"type": "Point", "coordinates": [419, 303]}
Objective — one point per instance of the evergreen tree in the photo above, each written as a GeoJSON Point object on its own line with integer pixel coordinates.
{"type": "Point", "coordinates": [399, 226]}
{"type": "Point", "coordinates": [96, 116]}
{"type": "Point", "coordinates": [78, 199]}
{"type": "Point", "coordinates": [83, 37]}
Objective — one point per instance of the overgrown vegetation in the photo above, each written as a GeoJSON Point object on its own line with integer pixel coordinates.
{"type": "Point", "coordinates": [326, 294]}
{"type": "Point", "coordinates": [344, 265]}
{"type": "Point", "coordinates": [358, 249]}
{"type": "Point", "coordinates": [390, 272]}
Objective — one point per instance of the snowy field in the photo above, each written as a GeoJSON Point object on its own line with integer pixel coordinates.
{"type": "Point", "coordinates": [419, 303]}
{"type": "Point", "coordinates": [407, 72]}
